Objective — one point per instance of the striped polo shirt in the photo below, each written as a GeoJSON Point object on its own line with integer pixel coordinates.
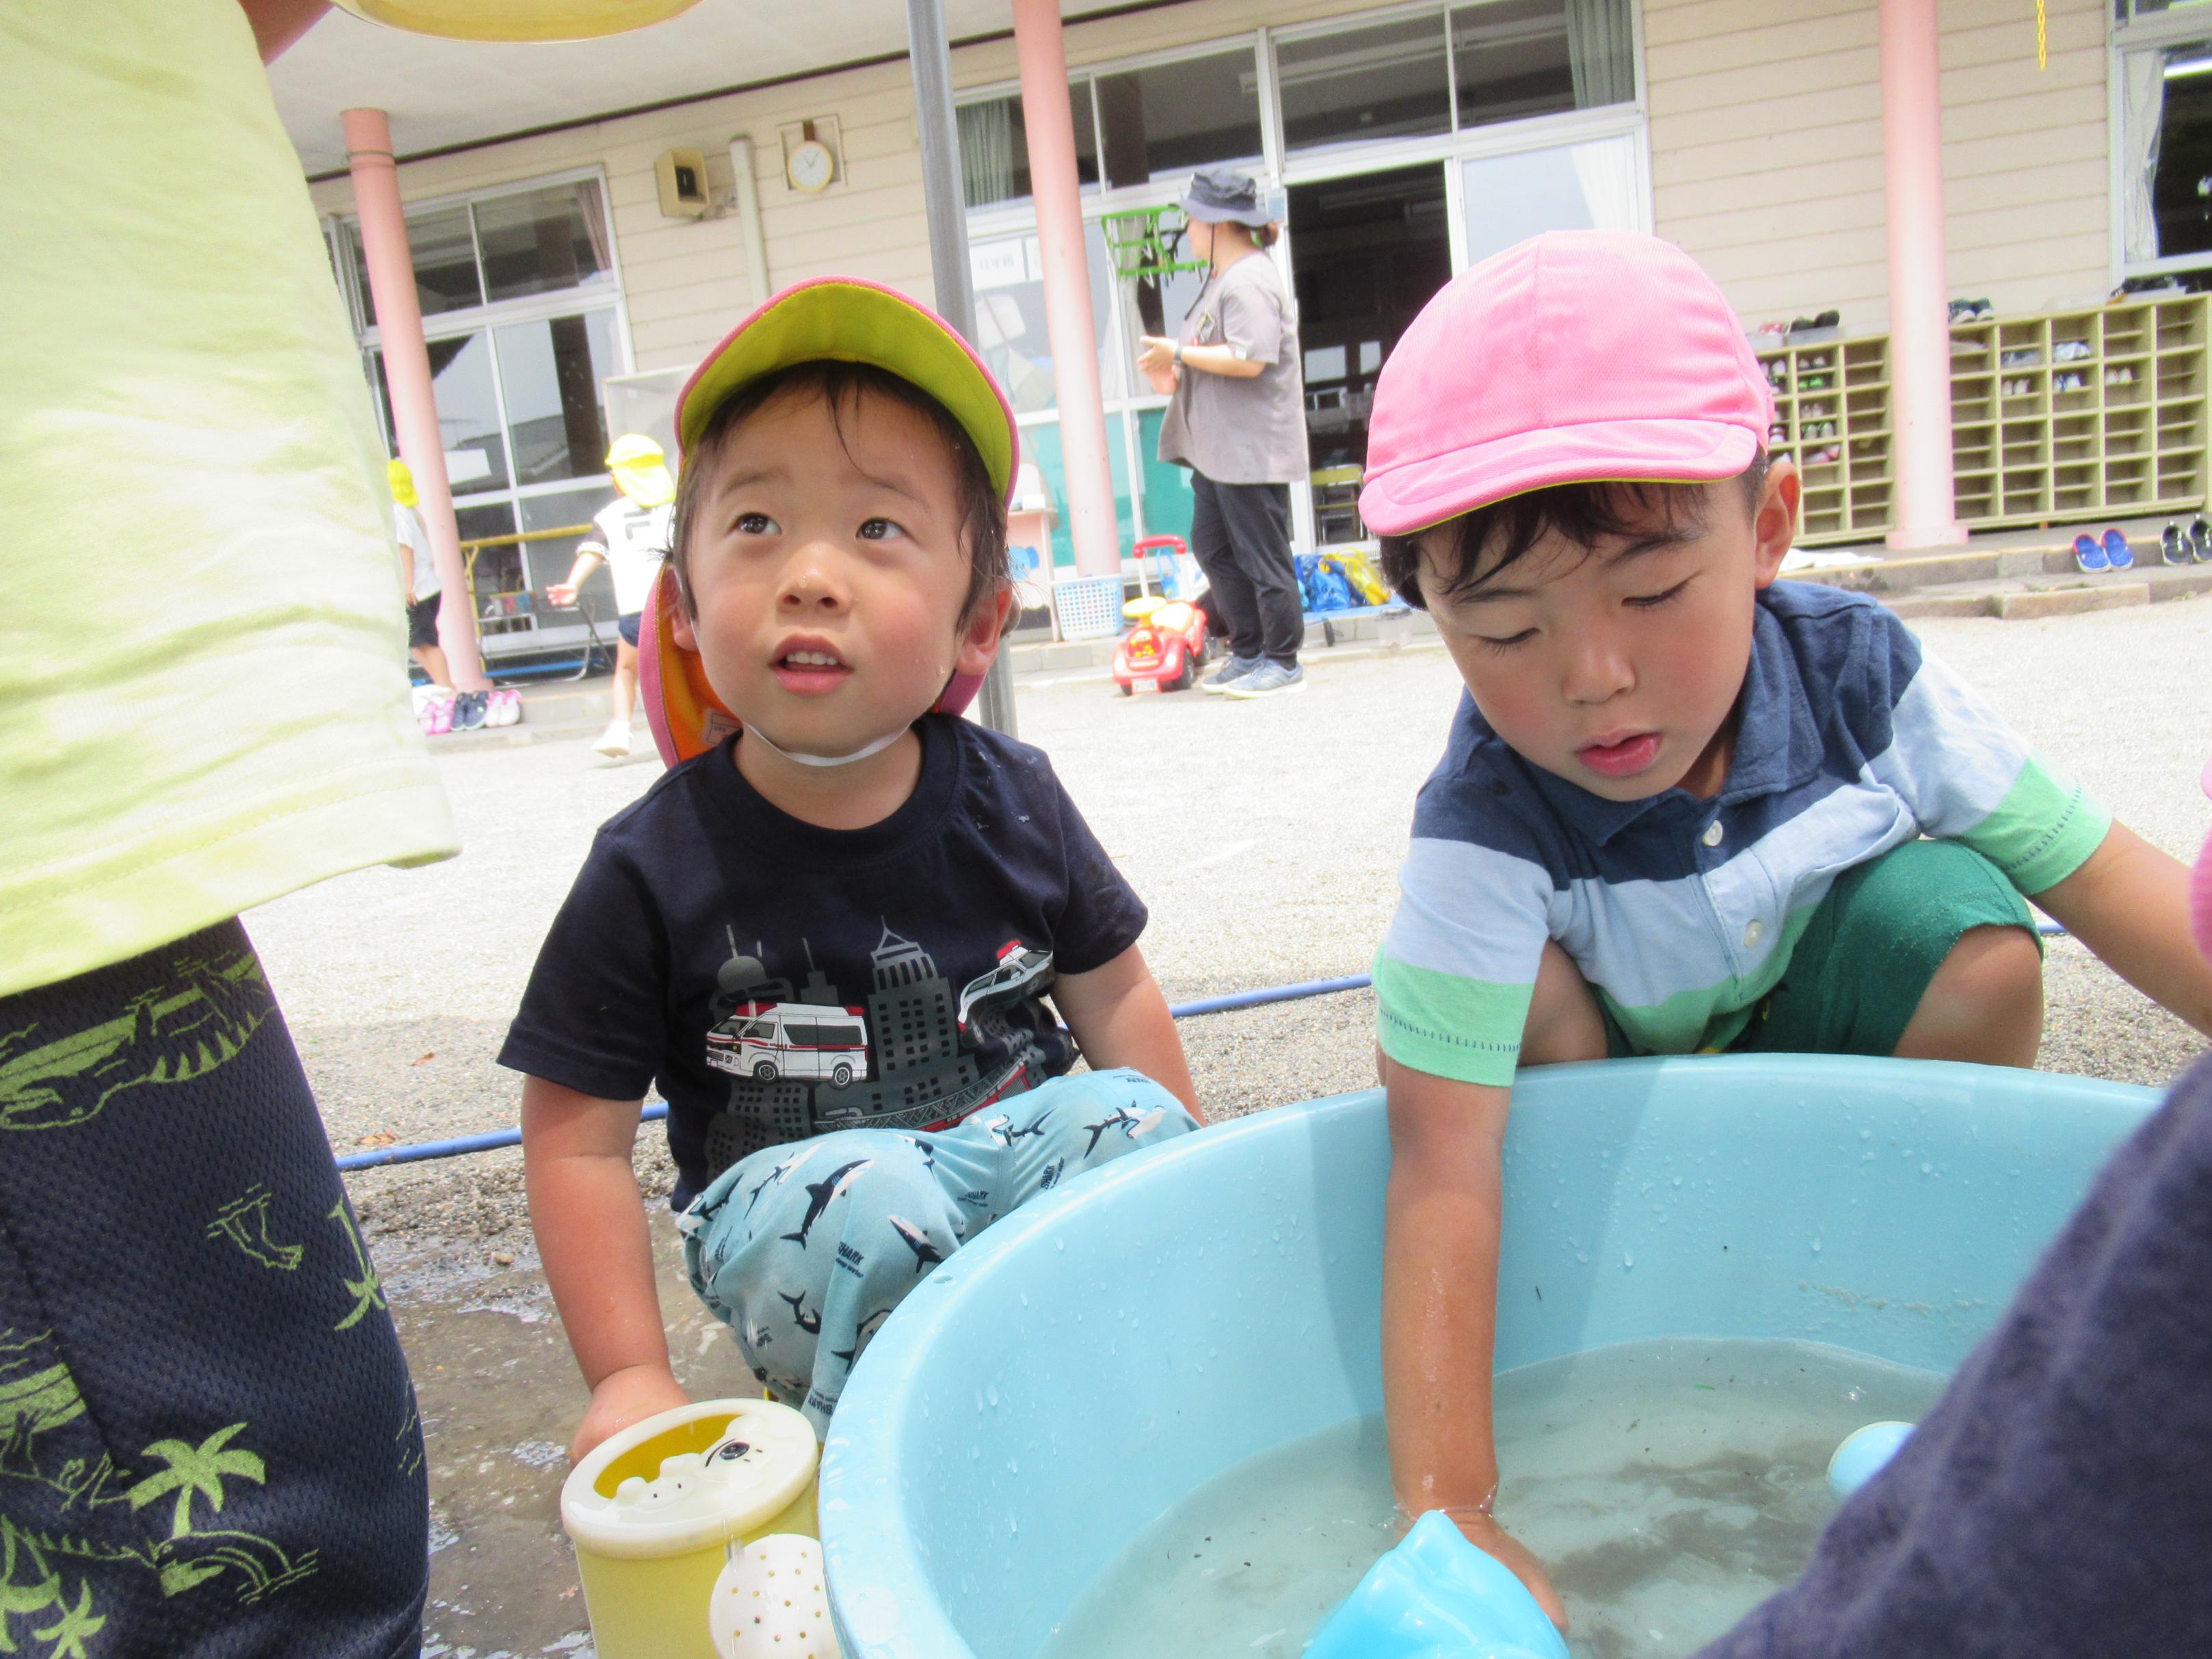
{"type": "Point", "coordinates": [1681, 912]}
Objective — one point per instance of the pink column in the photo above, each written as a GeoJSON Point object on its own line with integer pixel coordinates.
{"type": "Point", "coordinates": [407, 375]}
{"type": "Point", "coordinates": [1050, 120]}
{"type": "Point", "coordinates": [1919, 319]}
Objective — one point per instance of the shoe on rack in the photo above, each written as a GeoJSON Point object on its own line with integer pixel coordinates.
{"type": "Point", "coordinates": [1229, 673]}
{"type": "Point", "coordinates": [1269, 677]}
{"type": "Point", "coordinates": [2200, 539]}
{"type": "Point", "coordinates": [2089, 555]}
{"type": "Point", "coordinates": [2173, 547]}
{"type": "Point", "coordinates": [614, 742]}
{"type": "Point", "coordinates": [2119, 555]}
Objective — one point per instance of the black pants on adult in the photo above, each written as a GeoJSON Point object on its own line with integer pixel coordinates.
{"type": "Point", "coordinates": [209, 1446]}
{"type": "Point", "coordinates": [1240, 536]}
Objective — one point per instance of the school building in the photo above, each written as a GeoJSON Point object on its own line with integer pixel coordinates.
{"type": "Point", "coordinates": [584, 219]}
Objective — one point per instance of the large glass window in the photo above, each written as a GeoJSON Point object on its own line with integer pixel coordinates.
{"type": "Point", "coordinates": [2165, 154]}
{"type": "Point", "coordinates": [1011, 331]}
{"type": "Point", "coordinates": [994, 149]}
{"type": "Point", "coordinates": [539, 240]}
{"type": "Point", "coordinates": [1041, 444]}
{"type": "Point", "coordinates": [468, 412]}
{"type": "Point", "coordinates": [1516, 58]}
{"type": "Point", "coordinates": [1420, 73]}
{"type": "Point", "coordinates": [1509, 199]}
{"type": "Point", "coordinates": [1386, 81]}
{"type": "Point", "coordinates": [521, 308]}
{"type": "Point", "coordinates": [549, 371]}
{"type": "Point", "coordinates": [1173, 119]}
{"type": "Point", "coordinates": [445, 252]}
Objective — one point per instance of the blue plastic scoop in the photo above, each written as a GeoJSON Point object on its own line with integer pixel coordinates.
{"type": "Point", "coordinates": [1437, 1596]}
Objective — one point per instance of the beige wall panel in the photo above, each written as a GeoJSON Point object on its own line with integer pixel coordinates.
{"type": "Point", "coordinates": [1736, 106]}
{"type": "Point", "coordinates": [1750, 89]}
{"type": "Point", "coordinates": [1967, 165]}
{"type": "Point", "coordinates": [1754, 48]}
{"type": "Point", "coordinates": [1757, 159]}
{"type": "Point", "coordinates": [1706, 19]}
{"type": "Point", "coordinates": [1810, 181]}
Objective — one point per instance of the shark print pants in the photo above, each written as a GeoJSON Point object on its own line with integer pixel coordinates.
{"type": "Point", "coordinates": [804, 1249]}
{"type": "Point", "coordinates": [209, 1446]}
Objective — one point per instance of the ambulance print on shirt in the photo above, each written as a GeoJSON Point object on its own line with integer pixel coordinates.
{"type": "Point", "coordinates": [916, 1052]}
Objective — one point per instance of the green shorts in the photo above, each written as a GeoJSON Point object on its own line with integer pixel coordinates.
{"type": "Point", "coordinates": [1867, 955]}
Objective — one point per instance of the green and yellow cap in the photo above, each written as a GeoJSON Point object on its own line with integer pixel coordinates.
{"type": "Point", "coordinates": [852, 320]}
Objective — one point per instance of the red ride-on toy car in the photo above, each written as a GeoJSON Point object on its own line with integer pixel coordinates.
{"type": "Point", "coordinates": [1165, 651]}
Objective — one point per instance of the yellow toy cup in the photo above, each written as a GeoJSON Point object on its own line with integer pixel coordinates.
{"type": "Point", "coordinates": [655, 1510]}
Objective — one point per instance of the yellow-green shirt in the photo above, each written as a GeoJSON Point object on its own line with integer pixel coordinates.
{"type": "Point", "coordinates": [203, 698]}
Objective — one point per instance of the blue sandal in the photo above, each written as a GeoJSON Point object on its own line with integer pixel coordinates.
{"type": "Point", "coordinates": [2117, 555]}
{"type": "Point", "coordinates": [2089, 555]}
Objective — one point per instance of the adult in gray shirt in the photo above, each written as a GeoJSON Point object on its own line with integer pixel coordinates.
{"type": "Point", "coordinates": [1237, 421]}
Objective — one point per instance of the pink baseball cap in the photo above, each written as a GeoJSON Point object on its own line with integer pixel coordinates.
{"type": "Point", "coordinates": [1574, 357]}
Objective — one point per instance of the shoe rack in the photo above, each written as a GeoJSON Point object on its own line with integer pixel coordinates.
{"type": "Point", "coordinates": [1832, 416]}
{"type": "Point", "coordinates": [2074, 415]}
{"type": "Point", "coordinates": [2082, 414]}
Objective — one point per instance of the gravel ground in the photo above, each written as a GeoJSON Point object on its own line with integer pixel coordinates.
{"type": "Point", "coordinates": [1262, 835]}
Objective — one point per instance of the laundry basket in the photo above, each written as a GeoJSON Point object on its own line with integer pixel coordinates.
{"type": "Point", "coordinates": [1088, 607]}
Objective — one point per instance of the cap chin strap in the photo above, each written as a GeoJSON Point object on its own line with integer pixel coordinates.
{"type": "Point", "coordinates": [859, 754]}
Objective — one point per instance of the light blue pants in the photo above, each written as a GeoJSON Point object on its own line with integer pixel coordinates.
{"type": "Point", "coordinates": [804, 1249]}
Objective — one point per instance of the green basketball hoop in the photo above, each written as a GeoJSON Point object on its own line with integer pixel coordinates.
{"type": "Point", "coordinates": [1142, 243]}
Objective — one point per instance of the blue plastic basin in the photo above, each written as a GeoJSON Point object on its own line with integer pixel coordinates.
{"type": "Point", "coordinates": [1089, 1360]}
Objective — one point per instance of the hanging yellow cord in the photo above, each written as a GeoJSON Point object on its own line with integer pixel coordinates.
{"type": "Point", "coordinates": [2042, 36]}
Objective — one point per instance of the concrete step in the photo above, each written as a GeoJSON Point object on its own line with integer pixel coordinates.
{"type": "Point", "coordinates": [2027, 599]}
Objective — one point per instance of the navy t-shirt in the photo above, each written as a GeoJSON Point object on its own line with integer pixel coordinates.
{"type": "Point", "coordinates": [776, 980]}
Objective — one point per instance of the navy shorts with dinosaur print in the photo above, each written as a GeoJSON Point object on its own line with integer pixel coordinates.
{"type": "Point", "coordinates": [804, 1249]}
{"type": "Point", "coordinates": [208, 1448]}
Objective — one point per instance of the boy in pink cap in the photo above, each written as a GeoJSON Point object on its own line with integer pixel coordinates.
{"type": "Point", "coordinates": [829, 936]}
{"type": "Point", "coordinates": [1684, 807]}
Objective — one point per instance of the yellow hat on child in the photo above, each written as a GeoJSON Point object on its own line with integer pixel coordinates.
{"type": "Point", "coordinates": [849, 319]}
{"type": "Point", "coordinates": [641, 470]}
{"type": "Point", "coordinates": [396, 474]}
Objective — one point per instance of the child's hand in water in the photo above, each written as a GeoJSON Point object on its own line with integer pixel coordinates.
{"type": "Point", "coordinates": [1482, 1529]}
{"type": "Point", "coordinates": [627, 1396]}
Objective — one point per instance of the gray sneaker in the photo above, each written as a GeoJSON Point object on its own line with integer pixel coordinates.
{"type": "Point", "coordinates": [1229, 673]}
{"type": "Point", "coordinates": [1269, 677]}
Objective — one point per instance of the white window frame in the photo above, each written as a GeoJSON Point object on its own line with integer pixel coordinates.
{"type": "Point", "coordinates": [1319, 165]}
{"type": "Point", "coordinates": [2178, 27]}
{"type": "Point", "coordinates": [609, 296]}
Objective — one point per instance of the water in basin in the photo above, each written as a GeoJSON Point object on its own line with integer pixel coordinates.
{"type": "Point", "coordinates": [1669, 1486]}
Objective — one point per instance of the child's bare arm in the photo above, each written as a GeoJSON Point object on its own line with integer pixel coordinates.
{"type": "Point", "coordinates": [2128, 903]}
{"type": "Point", "coordinates": [1440, 1223]}
{"type": "Point", "coordinates": [597, 1252]}
{"type": "Point", "coordinates": [1119, 1018]}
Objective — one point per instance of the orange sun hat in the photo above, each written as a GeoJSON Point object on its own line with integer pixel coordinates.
{"type": "Point", "coordinates": [851, 320]}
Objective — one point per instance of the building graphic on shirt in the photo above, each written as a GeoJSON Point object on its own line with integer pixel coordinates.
{"type": "Point", "coordinates": [935, 1054]}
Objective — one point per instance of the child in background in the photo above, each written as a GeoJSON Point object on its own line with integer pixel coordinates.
{"type": "Point", "coordinates": [629, 535]}
{"type": "Point", "coordinates": [1681, 809]}
{"type": "Point", "coordinates": [827, 939]}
